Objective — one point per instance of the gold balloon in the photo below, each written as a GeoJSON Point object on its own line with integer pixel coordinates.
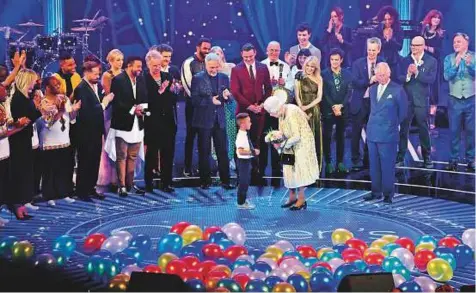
{"type": "Point", "coordinates": [340, 236]}
{"type": "Point", "coordinates": [375, 250]}
{"type": "Point", "coordinates": [323, 250]}
{"type": "Point", "coordinates": [22, 250]}
{"type": "Point", "coordinates": [390, 238]}
{"type": "Point", "coordinates": [428, 245]}
{"type": "Point", "coordinates": [439, 269]}
{"type": "Point", "coordinates": [191, 236]}
{"type": "Point", "coordinates": [193, 228]}
{"type": "Point", "coordinates": [283, 287]}
{"type": "Point", "coordinates": [164, 259]}
{"type": "Point", "coordinates": [270, 256]}
{"type": "Point", "coordinates": [379, 243]}
{"type": "Point", "coordinates": [122, 277]}
{"type": "Point", "coordinates": [222, 268]}
{"type": "Point", "coordinates": [275, 250]}
{"type": "Point", "coordinates": [305, 274]}
{"type": "Point", "coordinates": [117, 285]}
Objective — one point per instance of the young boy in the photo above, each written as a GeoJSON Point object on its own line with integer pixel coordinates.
{"type": "Point", "coordinates": [245, 153]}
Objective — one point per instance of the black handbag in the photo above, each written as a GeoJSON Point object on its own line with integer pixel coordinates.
{"type": "Point", "coordinates": [287, 159]}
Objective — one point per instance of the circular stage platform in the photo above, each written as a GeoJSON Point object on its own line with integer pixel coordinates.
{"type": "Point", "coordinates": [328, 209]}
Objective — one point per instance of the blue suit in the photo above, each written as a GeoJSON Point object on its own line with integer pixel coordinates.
{"type": "Point", "coordinates": [386, 115]}
{"type": "Point", "coordinates": [209, 119]}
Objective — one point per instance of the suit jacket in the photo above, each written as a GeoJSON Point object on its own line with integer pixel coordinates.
{"type": "Point", "coordinates": [174, 71]}
{"type": "Point", "coordinates": [361, 81]}
{"type": "Point", "coordinates": [90, 119]}
{"type": "Point", "coordinates": [205, 113]}
{"type": "Point", "coordinates": [386, 114]}
{"type": "Point", "coordinates": [391, 48]}
{"type": "Point", "coordinates": [124, 100]}
{"type": "Point", "coordinates": [245, 91]}
{"type": "Point", "coordinates": [330, 94]}
{"type": "Point", "coordinates": [163, 111]}
{"type": "Point", "coordinates": [330, 41]}
{"type": "Point", "coordinates": [21, 106]}
{"type": "Point", "coordinates": [418, 89]}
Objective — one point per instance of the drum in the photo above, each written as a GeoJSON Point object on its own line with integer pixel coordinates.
{"type": "Point", "coordinates": [28, 47]}
{"type": "Point", "coordinates": [47, 43]}
{"type": "Point", "coordinates": [68, 42]}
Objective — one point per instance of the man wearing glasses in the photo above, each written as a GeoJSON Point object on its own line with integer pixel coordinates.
{"type": "Point", "coordinates": [417, 73]}
{"type": "Point", "coordinates": [459, 69]}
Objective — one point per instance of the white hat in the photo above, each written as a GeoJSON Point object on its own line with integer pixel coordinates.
{"type": "Point", "coordinates": [274, 103]}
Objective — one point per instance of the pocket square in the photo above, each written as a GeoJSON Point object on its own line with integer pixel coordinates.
{"type": "Point", "coordinates": [390, 96]}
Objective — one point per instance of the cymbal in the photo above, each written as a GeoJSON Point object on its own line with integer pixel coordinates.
{"type": "Point", "coordinates": [31, 24]}
{"type": "Point", "coordinates": [83, 20]}
{"type": "Point", "coordinates": [83, 29]}
{"type": "Point", "coordinates": [98, 21]}
{"type": "Point", "coordinates": [12, 30]}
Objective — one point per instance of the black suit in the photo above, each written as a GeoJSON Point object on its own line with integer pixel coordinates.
{"type": "Point", "coordinates": [160, 129]}
{"type": "Point", "coordinates": [332, 96]}
{"type": "Point", "coordinates": [89, 133]}
{"type": "Point", "coordinates": [330, 41]}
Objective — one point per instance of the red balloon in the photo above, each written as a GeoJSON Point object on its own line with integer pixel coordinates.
{"type": "Point", "coordinates": [351, 250]}
{"type": "Point", "coordinates": [350, 258]}
{"type": "Point", "coordinates": [212, 251]}
{"type": "Point", "coordinates": [407, 243]}
{"type": "Point", "coordinates": [322, 264]}
{"type": "Point", "coordinates": [191, 274]}
{"type": "Point", "coordinates": [152, 269]}
{"type": "Point", "coordinates": [179, 227]}
{"type": "Point", "coordinates": [222, 289]}
{"type": "Point", "coordinates": [234, 251]}
{"type": "Point", "coordinates": [209, 231]}
{"type": "Point", "coordinates": [423, 257]}
{"type": "Point", "coordinates": [374, 258]}
{"type": "Point", "coordinates": [191, 261]}
{"type": "Point", "coordinates": [357, 244]}
{"type": "Point", "coordinates": [449, 241]}
{"type": "Point", "coordinates": [217, 274]}
{"type": "Point", "coordinates": [242, 279]}
{"type": "Point", "coordinates": [306, 251]}
{"type": "Point", "coordinates": [206, 266]}
{"type": "Point", "coordinates": [94, 242]}
{"type": "Point", "coordinates": [176, 267]}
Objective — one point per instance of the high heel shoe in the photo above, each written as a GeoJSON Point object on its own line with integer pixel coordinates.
{"type": "Point", "coordinates": [289, 204]}
{"type": "Point", "coordinates": [21, 214]}
{"type": "Point", "coordinates": [298, 208]}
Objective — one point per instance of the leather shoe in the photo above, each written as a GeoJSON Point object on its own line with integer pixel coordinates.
{"type": "Point", "coordinates": [388, 200]}
{"type": "Point", "coordinates": [372, 196]}
{"type": "Point", "coordinates": [168, 189]}
{"type": "Point", "coordinates": [289, 204]}
{"type": "Point", "coordinates": [123, 192]}
{"type": "Point", "coordinates": [227, 186]}
{"type": "Point", "coordinates": [98, 195]}
{"type": "Point", "coordinates": [137, 190]}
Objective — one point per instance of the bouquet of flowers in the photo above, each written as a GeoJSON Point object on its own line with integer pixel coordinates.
{"type": "Point", "coordinates": [275, 137]}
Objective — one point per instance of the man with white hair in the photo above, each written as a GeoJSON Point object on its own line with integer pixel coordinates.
{"type": "Point", "coordinates": [388, 108]}
{"type": "Point", "coordinates": [209, 92]}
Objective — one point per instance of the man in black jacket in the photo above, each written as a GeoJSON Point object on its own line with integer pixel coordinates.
{"type": "Point", "coordinates": [337, 91]}
{"type": "Point", "coordinates": [128, 109]}
{"type": "Point", "coordinates": [90, 129]}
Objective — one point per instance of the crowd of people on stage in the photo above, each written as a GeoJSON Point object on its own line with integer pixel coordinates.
{"type": "Point", "coordinates": [102, 122]}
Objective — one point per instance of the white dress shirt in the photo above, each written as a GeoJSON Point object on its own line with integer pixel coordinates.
{"type": "Point", "coordinates": [381, 89]}
{"type": "Point", "coordinates": [274, 70]}
{"type": "Point", "coordinates": [417, 63]}
{"type": "Point", "coordinates": [254, 69]}
{"type": "Point", "coordinates": [242, 142]}
{"type": "Point", "coordinates": [135, 135]}
{"type": "Point", "coordinates": [291, 78]}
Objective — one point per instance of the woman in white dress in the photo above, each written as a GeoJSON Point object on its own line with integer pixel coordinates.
{"type": "Point", "coordinates": [299, 141]}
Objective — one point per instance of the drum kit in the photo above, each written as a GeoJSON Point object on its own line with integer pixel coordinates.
{"type": "Point", "coordinates": [43, 51]}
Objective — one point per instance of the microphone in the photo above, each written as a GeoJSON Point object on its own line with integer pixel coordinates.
{"type": "Point", "coordinates": [281, 67]}
{"type": "Point", "coordinates": [7, 33]}
{"type": "Point", "coordinates": [145, 112]}
{"type": "Point", "coordinates": [220, 94]}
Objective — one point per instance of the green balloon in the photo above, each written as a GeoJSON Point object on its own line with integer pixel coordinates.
{"type": "Point", "coordinates": [327, 256]}
{"type": "Point", "coordinates": [22, 251]}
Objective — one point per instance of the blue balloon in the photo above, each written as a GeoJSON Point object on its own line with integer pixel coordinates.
{"type": "Point", "coordinates": [60, 256]}
{"type": "Point", "coordinates": [223, 261]}
{"type": "Point", "coordinates": [104, 254]}
{"type": "Point", "coordinates": [299, 283]}
{"type": "Point", "coordinates": [191, 249]}
{"type": "Point", "coordinates": [171, 242]}
{"type": "Point", "coordinates": [426, 239]}
{"type": "Point", "coordinates": [255, 253]}
{"type": "Point", "coordinates": [92, 264]}
{"type": "Point", "coordinates": [344, 270]}
{"type": "Point", "coordinates": [450, 259]}
{"type": "Point", "coordinates": [257, 285]}
{"type": "Point", "coordinates": [271, 281]}
{"type": "Point", "coordinates": [119, 259]}
{"type": "Point", "coordinates": [65, 243]}
{"type": "Point", "coordinates": [6, 245]}
{"type": "Point", "coordinates": [402, 271]}
{"type": "Point", "coordinates": [308, 262]}
{"type": "Point", "coordinates": [360, 264]}
{"type": "Point", "coordinates": [389, 247]}
{"type": "Point", "coordinates": [196, 285]}
{"type": "Point", "coordinates": [199, 244]}
{"type": "Point", "coordinates": [294, 254]}
{"type": "Point", "coordinates": [443, 249]}
{"type": "Point", "coordinates": [225, 243]}
{"type": "Point", "coordinates": [373, 269]}
{"type": "Point", "coordinates": [142, 242]}
{"type": "Point", "coordinates": [340, 247]}
{"type": "Point", "coordinates": [135, 253]}
{"type": "Point", "coordinates": [410, 286]}
{"type": "Point", "coordinates": [262, 266]}
{"type": "Point", "coordinates": [321, 269]}
{"type": "Point", "coordinates": [321, 282]}
{"type": "Point", "coordinates": [463, 254]}
{"type": "Point", "coordinates": [241, 262]}
{"type": "Point", "coordinates": [215, 237]}
{"type": "Point", "coordinates": [390, 263]}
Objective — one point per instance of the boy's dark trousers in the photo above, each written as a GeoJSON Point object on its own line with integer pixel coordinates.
{"type": "Point", "coordinates": [244, 177]}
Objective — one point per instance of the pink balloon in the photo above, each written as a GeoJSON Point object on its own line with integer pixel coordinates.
{"type": "Point", "coordinates": [294, 269]}
{"type": "Point", "coordinates": [398, 280]}
{"type": "Point", "coordinates": [130, 268]}
{"type": "Point", "coordinates": [246, 257]}
{"type": "Point", "coordinates": [279, 273]}
{"type": "Point", "coordinates": [226, 226]}
{"type": "Point", "coordinates": [426, 284]}
{"type": "Point", "coordinates": [335, 263]}
{"type": "Point", "coordinates": [269, 261]}
{"type": "Point", "coordinates": [236, 234]}
{"type": "Point", "coordinates": [257, 275]}
{"type": "Point", "coordinates": [242, 270]}
{"type": "Point", "coordinates": [284, 245]}
{"type": "Point", "coordinates": [289, 263]}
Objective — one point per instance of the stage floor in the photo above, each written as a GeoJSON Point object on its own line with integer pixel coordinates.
{"type": "Point", "coordinates": [328, 209]}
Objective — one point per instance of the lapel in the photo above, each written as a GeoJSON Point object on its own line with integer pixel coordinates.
{"type": "Point", "coordinates": [208, 84]}
{"type": "Point", "coordinates": [384, 94]}
{"type": "Point", "coordinates": [128, 85]}
{"type": "Point", "coordinates": [373, 94]}
{"type": "Point", "coordinates": [91, 91]}
{"type": "Point", "coordinates": [331, 81]}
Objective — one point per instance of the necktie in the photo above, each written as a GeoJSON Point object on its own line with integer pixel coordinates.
{"type": "Point", "coordinates": [372, 70]}
{"type": "Point", "coordinates": [274, 63]}
{"type": "Point", "coordinates": [252, 74]}
{"type": "Point", "coordinates": [380, 92]}
{"type": "Point", "coordinates": [252, 148]}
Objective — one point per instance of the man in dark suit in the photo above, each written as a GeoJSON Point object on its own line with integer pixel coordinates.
{"type": "Point", "coordinates": [209, 93]}
{"type": "Point", "coordinates": [166, 51]}
{"type": "Point", "coordinates": [417, 75]}
{"type": "Point", "coordinates": [363, 74]}
{"type": "Point", "coordinates": [90, 129]}
{"type": "Point", "coordinates": [161, 124]}
{"type": "Point", "coordinates": [336, 91]}
{"type": "Point", "coordinates": [128, 109]}
{"type": "Point", "coordinates": [388, 108]}
{"type": "Point", "coordinates": [251, 86]}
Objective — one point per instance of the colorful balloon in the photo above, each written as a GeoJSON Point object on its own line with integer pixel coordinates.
{"type": "Point", "coordinates": [284, 245]}
{"type": "Point", "coordinates": [22, 250]}
{"type": "Point", "coordinates": [449, 241]}
{"type": "Point", "coordinates": [427, 239]}
{"type": "Point", "coordinates": [379, 243]}
{"type": "Point", "coordinates": [427, 246]}
{"type": "Point", "coordinates": [330, 255]}
{"type": "Point", "coordinates": [271, 281]}
{"type": "Point", "coordinates": [357, 243]}
{"type": "Point", "coordinates": [344, 270]}
{"type": "Point", "coordinates": [450, 259]}
{"type": "Point", "coordinates": [191, 274]}
{"type": "Point", "coordinates": [323, 250]}
{"type": "Point", "coordinates": [176, 267]}
{"type": "Point", "coordinates": [179, 227]}
{"type": "Point", "coordinates": [391, 263]}
{"type": "Point", "coordinates": [398, 280]}
{"type": "Point", "coordinates": [128, 270]}
{"type": "Point", "coordinates": [61, 257]}
{"type": "Point", "coordinates": [306, 251]}
{"type": "Point", "coordinates": [426, 283]}
{"type": "Point", "coordinates": [389, 247]}
{"type": "Point", "coordinates": [196, 285]}
{"type": "Point", "coordinates": [164, 260]}
{"type": "Point", "coordinates": [439, 270]}
{"type": "Point", "coordinates": [66, 244]}
{"type": "Point", "coordinates": [210, 230]}
{"type": "Point", "coordinates": [283, 287]}
{"type": "Point", "coordinates": [298, 282]}
{"type": "Point", "coordinates": [374, 258]}
{"type": "Point", "coordinates": [463, 254]}
{"type": "Point", "coordinates": [410, 286]}
{"type": "Point", "coordinates": [377, 250]}
{"type": "Point", "coordinates": [242, 280]}
{"type": "Point", "coordinates": [190, 236]}
{"type": "Point", "coordinates": [275, 250]}
{"type": "Point", "coordinates": [407, 243]}
{"type": "Point", "coordinates": [6, 245]}
{"type": "Point", "coordinates": [93, 242]}
{"type": "Point", "coordinates": [257, 286]}
{"type": "Point", "coordinates": [155, 269]}
{"type": "Point", "coordinates": [117, 285]}
{"type": "Point", "coordinates": [229, 284]}
{"type": "Point", "coordinates": [127, 236]}
{"type": "Point", "coordinates": [191, 261]}
{"type": "Point", "coordinates": [257, 275]}
{"type": "Point", "coordinates": [335, 263]}
{"type": "Point", "coordinates": [170, 243]}
{"type": "Point", "coordinates": [341, 236]}
{"type": "Point", "coordinates": [115, 244]}
{"type": "Point", "coordinates": [142, 242]}
{"type": "Point", "coordinates": [469, 238]}
{"type": "Point", "coordinates": [321, 282]}
{"type": "Point", "coordinates": [390, 238]}
{"type": "Point", "coordinates": [236, 234]}
{"type": "Point", "coordinates": [262, 266]}
{"type": "Point", "coordinates": [405, 256]}
{"type": "Point", "coordinates": [46, 261]}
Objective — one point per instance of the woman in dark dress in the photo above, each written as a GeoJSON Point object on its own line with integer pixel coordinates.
{"type": "Point", "coordinates": [433, 33]}
{"type": "Point", "coordinates": [23, 104]}
{"type": "Point", "coordinates": [337, 35]}
{"type": "Point", "coordinates": [391, 34]}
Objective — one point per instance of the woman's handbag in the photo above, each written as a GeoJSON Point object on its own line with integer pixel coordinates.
{"type": "Point", "coordinates": [287, 159]}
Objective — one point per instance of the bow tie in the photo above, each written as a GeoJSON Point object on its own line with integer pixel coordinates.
{"type": "Point", "coordinates": [274, 63]}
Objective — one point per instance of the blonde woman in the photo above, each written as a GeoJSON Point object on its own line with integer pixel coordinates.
{"type": "Point", "coordinates": [107, 170]}
{"type": "Point", "coordinates": [23, 107]}
{"type": "Point", "coordinates": [308, 94]}
{"type": "Point", "coordinates": [230, 108]}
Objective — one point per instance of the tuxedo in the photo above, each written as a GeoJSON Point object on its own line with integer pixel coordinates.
{"type": "Point", "coordinates": [89, 132]}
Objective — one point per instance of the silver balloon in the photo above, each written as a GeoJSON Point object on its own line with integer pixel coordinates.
{"type": "Point", "coordinates": [246, 257]}
{"type": "Point", "coordinates": [242, 270]}
{"type": "Point", "coordinates": [405, 256]}
{"type": "Point", "coordinates": [426, 284]}
{"type": "Point", "coordinates": [279, 273]}
{"type": "Point", "coordinates": [123, 234]}
{"type": "Point", "coordinates": [398, 280]}
{"type": "Point", "coordinates": [115, 244]}
{"type": "Point", "coordinates": [236, 234]}
{"type": "Point", "coordinates": [335, 263]}
{"type": "Point", "coordinates": [226, 226]}
{"type": "Point", "coordinates": [257, 275]}
{"type": "Point", "coordinates": [469, 238]}
{"type": "Point", "coordinates": [284, 245]}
